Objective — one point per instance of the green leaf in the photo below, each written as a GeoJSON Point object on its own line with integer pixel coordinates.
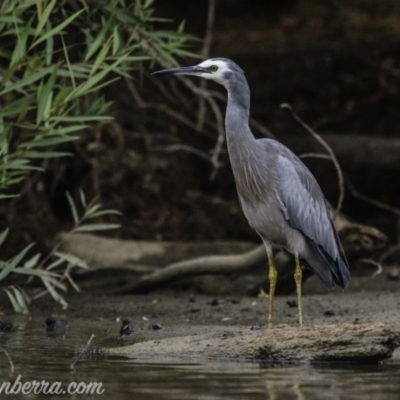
{"type": "Point", "coordinates": [12, 264]}
{"type": "Point", "coordinates": [20, 47]}
{"type": "Point", "coordinates": [101, 56]}
{"type": "Point", "coordinates": [51, 140]}
{"type": "Point", "coordinates": [45, 97]}
{"type": "Point", "coordinates": [83, 199]}
{"type": "Point", "coordinates": [26, 81]}
{"type": "Point", "coordinates": [20, 300]}
{"type": "Point", "coordinates": [8, 196]}
{"type": "Point", "coordinates": [95, 44]}
{"type": "Point", "coordinates": [81, 118]}
{"type": "Point", "coordinates": [72, 207]}
{"type": "Point", "coordinates": [57, 29]}
{"type": "Point", "coordinates": [32, 262]}
{"type": "Point", "coordinates": [116, 40]}
{"type": "Point", "coordinates": [46, 154]}
{"type": "Point", "coordinates": [59, 299]}
{"type": "Point", "coordinates": [55, 264]}
{"type": "Point", "coordinates": [70, 69]}
{"type": "Point", "coordinates": [18, 308]}
{"type": "Point", "coordinates": [36, 272]}
{"type": "Point", "coordinates": [3, 236]}
{"type": "Point", "coordinates": [72, 283]}
{"type": "Point", "coordinates": [71, 259]}
{"type": "Point", "coordinates": [44, 17]}
{"type": "Point", "coordinates": [103, 212]}
{"type": "Point", "coordinates": [96, 227]}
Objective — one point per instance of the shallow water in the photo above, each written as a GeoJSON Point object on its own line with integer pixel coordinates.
{"type": "Point", "coordinates": [37, 356]}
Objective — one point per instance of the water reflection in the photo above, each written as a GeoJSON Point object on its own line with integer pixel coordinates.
{"type": "Point", "coordinates": [39, 357]}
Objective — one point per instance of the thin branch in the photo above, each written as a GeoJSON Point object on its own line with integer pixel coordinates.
{"type": "Point", "coordinates": [266, 132]}
{"type": "Point", "coordinates": [72, 366]}
{"type": "Point", "coordinates": [330, 152]}
{"type": "Point", "coordinates": [161, 107]}
{"type": "Point", "coordinates": [205, 54]}
{"type": "Point", "coordinates": [373, 202]}
{"type": "Point", "coordinates": [392, 250]}
{"type": "Point", "coordinates": [377, 264]}
{"type": "Point", "coordinates": [182, 147]}
{"type": "Point", "coordinates": [12, 369]}
{"type": "Point", "coordinates": [220, 139]}
{"type": "Point", "coordinates": [230, 264]}
{"type": "Point", "coordinates": [315, 155]}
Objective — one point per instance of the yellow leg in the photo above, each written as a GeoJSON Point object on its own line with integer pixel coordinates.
{"type": "Point", "coordinates": [297, 278]}
{"type": "Point", "coordinates": [272, 275]}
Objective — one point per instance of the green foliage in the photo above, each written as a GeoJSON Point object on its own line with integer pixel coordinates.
{"type": "Point", "coordinates": [55, 57]}
{"type": "Point", "coordinates": [54, 269]}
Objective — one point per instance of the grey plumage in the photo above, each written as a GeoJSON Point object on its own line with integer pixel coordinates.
{"type": "Point", "coordinates": [279, 196]}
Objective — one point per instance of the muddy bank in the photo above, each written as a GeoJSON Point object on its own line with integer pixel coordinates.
{"type": "Point", "coordinates": [186, 314]}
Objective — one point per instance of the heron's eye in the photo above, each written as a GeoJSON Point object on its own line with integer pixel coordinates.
{"type": "Point", "coordinates": [213, 68]}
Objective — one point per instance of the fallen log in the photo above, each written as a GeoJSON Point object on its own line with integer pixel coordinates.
{"type": "Point", "coordinates": [102, 253]}
{"type": "Point", "coordinates": [364, 343]}
{"type": "Point", "coordinates": [359, 241]}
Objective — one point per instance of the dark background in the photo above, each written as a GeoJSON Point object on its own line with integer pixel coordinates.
{"type": "Point", "coordinates": [336, 62]}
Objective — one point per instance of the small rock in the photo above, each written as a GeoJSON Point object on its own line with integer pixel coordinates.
{"type": "Point", "coordinates": [292, 303]}
{"type": "Point", "coordinates": [393, 274]}
{"type": "Point", "coordinates": [6, 326]}
{"type": "Point", "coordinates": [126, 328]}
{"type": "Point", "coordinates": [56, 325]}
{"type": "Point", "coordinates": [255, 328]}
{"type": "Point", "coordinates": [156, 327]}
{"type": "Point", "coordinates": [217, 302]}
{"type": "Point", "coordinates": [192, 299]}
{"type": "Point", "coordinates": [235, 301]}
{"type": "Point", "coordinates": [329, 313]}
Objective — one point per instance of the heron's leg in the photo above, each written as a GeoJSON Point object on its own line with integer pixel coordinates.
{"type": "Point", "coordinates": [272, 275]}
{"type": "Point", "coordinates": [297, 278]}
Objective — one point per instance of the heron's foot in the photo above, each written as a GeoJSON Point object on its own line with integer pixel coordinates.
{"type": "Point", "coordinates": [298, 279]}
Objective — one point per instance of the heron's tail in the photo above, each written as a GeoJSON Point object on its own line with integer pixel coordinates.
{"type": "Point", "coordinates": [330, 271]}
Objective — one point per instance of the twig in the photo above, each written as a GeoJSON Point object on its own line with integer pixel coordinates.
{"type": "Point", "coordinates": [12, 369]}
{"type": "Point", "coordinates": [205, 54]}
{"type": "Point", "coordinates": [373, 202]}
{"type": "Point", "coordinates": [330, 152]}
{"type": "Point", "coordinates": [72, 366]}
{"type": "Point", "coordinates": [266, 132]}
{"type": "Point", "coordinates": [182, 147]}
{"type": "Point", "coordinates": [220, 139]}
{"type": "Point", "coordinates": [315, 155]}
{"type": "Point", "coordinates": [389, 252]}
{"type": "Point", "coordinates": [377, 264]}
{"type": "Point", "coordinates": [161, 107]}
{"type": "Point", "coordinates": [230, 264]}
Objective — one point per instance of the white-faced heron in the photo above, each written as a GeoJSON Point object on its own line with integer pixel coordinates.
{"type": "Point", "coordinates": [279, 196]}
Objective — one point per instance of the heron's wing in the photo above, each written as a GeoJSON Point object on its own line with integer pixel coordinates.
{"type": "Point", "coordinates": [305, 209]}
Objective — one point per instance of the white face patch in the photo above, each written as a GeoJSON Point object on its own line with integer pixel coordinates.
{"type": "Point", "coordinates": [217, 75]}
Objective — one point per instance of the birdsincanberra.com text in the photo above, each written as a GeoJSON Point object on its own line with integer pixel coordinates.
{"type": "Point", "coordinates": [45, 387]}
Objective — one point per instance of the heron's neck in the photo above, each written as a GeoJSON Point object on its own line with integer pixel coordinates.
{"type": "Point", "coordinates": [237, 114]}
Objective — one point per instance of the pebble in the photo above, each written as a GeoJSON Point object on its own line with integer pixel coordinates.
{"type": "Point", "coordinates": [126, 328]}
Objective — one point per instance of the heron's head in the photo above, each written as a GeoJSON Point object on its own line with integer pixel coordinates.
{"type": "Point", "coordinates": [220, 70]}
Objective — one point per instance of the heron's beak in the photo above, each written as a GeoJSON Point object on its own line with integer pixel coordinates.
{"type": "Point", "coordinates": [195, 70]}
